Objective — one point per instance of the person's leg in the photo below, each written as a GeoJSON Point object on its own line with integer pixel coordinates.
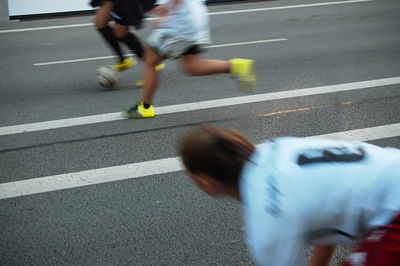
{"type": "Point", "coordinates": [101, 20]}
{"type": "Point", "coordinates": [121, 31]}
{"type": "Point", "coordinates": [195, 65]}
{"type": "Point", "coordinates": [103, 15]}
{"type": "Point", "coordinates": [151, 78]}
{"type": "Point", "coordinates": [144, 108]}
{"type": "Point", "coordinates": [131, 40]}
{"type": "Point", "coordinates": [243, 69]}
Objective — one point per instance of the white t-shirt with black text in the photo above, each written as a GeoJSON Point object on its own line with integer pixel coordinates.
{"type": "Point", "coordinates": [188, 21]}
{"type": "Point", "coordinates": [316, 191]}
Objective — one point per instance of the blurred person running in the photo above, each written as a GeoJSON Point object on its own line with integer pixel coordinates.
{"type": "Point", "coordinates": [182, 31]}
{"type": "Point", "coordinates": [124, 13]}
{"type": "Point", "coordinates": [301, 190]}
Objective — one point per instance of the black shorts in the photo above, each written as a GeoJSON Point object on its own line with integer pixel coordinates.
{"type": "Point", "coordinates": [195, 49]}
{"type": "Point", "coordinates": [96, 3]}
{"type": "Point", "coordinates": [119, 19]}
{"type": "Point", "coordinates": [131, 12]}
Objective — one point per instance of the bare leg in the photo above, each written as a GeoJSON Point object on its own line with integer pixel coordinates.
{"type": "Point", "coordinates": [151, 60]}
{"type": "Point", "coordinates": [322, 255]}
{"type": "Point", "coordinates": [101, 20]}
{"type": "Point", "coordinates": [103, 16]}
{"type": "Point", "coordinates": [196, 66]}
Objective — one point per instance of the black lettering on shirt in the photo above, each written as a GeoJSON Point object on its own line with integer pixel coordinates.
{"type": "Point", "coordinates": [331, 154]}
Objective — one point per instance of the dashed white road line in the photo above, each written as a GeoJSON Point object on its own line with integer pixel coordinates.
{"type": "Point", "coordinates": [108, 57]}
{"type": "Point", "coordinates": [47, 28]}
{"type": "Point", "coordinates": [76, 60]}
{"type": "Point", "coordinates": [186, 107]}
{"type": "Point", "coordinates": [211, 14]}
{"type": "Point", "coordinates": [365, 134]}
{"type": "Point", "coordinates": [149, 168]}
{"type": "Point", "coordinates": [288, 7]}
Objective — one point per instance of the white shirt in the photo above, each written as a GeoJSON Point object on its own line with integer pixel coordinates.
{"type": "Point", "coordinates": [188, 21]}
{"type": "Point", "coordinates": [294, 194]}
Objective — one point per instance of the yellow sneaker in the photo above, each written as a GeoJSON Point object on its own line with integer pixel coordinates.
{"type": "Point", "coordinates": [139, 111]}
{"type": "Point", "coordinates": [244, 69]}
{"type": "Point", "coordinates": [140, 82]}
{"type": "Point", "coordinates": [124, 64]}
{"type": "Point", "coordinates": [160, 67]}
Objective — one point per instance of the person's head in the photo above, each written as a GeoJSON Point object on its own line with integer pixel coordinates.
{"type": "Point", "coordinates": [213, 158]}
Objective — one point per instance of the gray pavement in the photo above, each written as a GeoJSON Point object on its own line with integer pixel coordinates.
{"type": "Point", "coordinates": [163, 219]}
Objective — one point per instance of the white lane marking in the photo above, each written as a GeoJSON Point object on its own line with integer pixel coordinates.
{"type": "Point", "coordinates": [47, 28]}
{"type": "Point", "coordinates": [288, 7]}
{"type": "Point", "coordinates": [211, 14]}
{"type": "Point", "coordinates": [246, 43]}
{"type": "Point", "coordinates": [150, 168]}
{"type": "Point", "coordinates": [111, 56]}
{"type": "Point", "coordinates": [186, 107]}
{"type": "Point", "coordinates": [76, 60]}
{"type": "Point", "coordinates": [366, 134]}
{"type": "Point", "coordinates": [89, 177]}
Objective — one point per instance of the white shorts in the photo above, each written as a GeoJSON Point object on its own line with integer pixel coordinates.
{"type": "Point", "coordinates": [171, 47]}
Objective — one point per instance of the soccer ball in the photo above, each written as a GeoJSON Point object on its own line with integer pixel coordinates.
{"type": "Point", "coordinates": [107, 76]}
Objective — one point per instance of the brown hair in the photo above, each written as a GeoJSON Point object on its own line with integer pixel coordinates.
{"type": "Point", "coordinates": [215, 152]}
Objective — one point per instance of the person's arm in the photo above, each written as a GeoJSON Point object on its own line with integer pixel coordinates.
{"type": "Point", "coordinates": [175, 4]}
{"type": "Point", "coordinates": [322, 255]}
{"type": "Point", "coordinates": [162, 10]}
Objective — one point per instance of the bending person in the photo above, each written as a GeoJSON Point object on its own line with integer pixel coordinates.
{"type": "Point", "coordinates": [298, 191]}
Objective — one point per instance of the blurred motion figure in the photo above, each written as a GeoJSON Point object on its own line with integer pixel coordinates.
{"type": "Point", "coordinates": [124, 13]}
{"type": "Point", "coordinates": [296, 191]}
{"type": "Point", "coordinates": [181, 31]}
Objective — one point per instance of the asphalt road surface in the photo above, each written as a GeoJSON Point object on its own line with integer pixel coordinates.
{"type": "Point", "coordinates": [81, 186]}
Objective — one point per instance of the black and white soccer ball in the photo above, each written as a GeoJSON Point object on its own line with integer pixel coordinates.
{"type": "Point", "coordinates": [107, 76]}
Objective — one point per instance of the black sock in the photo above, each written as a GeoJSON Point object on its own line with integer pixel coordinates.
{"type": "Point", "coordinates": [133, 43]}
{"type": "Point", "coordinates": [146, 105]}
{"type": "Point", "coordinates": [110, 38]}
